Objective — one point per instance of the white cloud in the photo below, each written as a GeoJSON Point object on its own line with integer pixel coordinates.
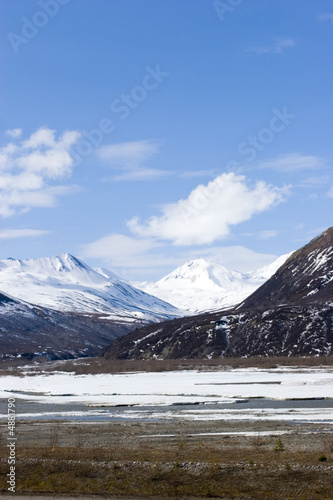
{"type": "Point", "coordinates": [137, 259]}
{"type": "Point", "coordinates": [326, 17]}
{"type": "Point", "coordinates": [293, 162]}
{"type": "Point", "coordinates": [14, 133]}
{"type": "Point", "coordinates": [330, 193]}
{"type": "Point", "coordinates": [131, 258]}
{"type": "Point", "coordinates": [11, 234]}
{"type": "Point", "coordinates": [209, 211]}
{"type": "Point", "coordinates": [277, 47]}
{"type": "Point", "coordinates": [28, 168]}
{"type": "Point", "coordinates": [129, 158]}
{"type": "Point", "coordinates": [117, 247]}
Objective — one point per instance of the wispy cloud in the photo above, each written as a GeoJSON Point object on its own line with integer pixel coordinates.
{"type": "Point", "coordinates": [14, 133]}
{"type": "Point", "coordinates": [141, 174]}
{"type": "Point", "coordinates": [108, 247]}
{"type": "Point", "coordinates": [138, 259]}
{"type": "Point", "coordinates": [208, 212]}
{"type": "Point", "coordinates": [198, 173]}
{"type": "Point", "coordinates": [30, 168]}
{"type": "Point", "coordinates": [130, 257]}
{"type": "Point", "coordinates": [312, 197]}
{"type": "Point", "coordinates": [294, 162]}
{"type": "Point", "coordinates": [277, 47]}
{"type": "Point", "coordinates": [11, 234]}
{"type": "Point", "coordinates": [267, 234]}
{"type": "Point", "coordinates": [128, 154]}
{"type": "Point", "coordinates": [326, 17]}
{"type": "Point", "coordinates": [315, 181]}
{"type": "Point", "coordinates": [130, 159]}
{"type": "Point", "coordinates": [330, 193]}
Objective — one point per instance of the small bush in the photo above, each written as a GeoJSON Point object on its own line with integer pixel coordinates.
{"type": "Point", "coordinates": [279, 445]}
{"type": "Point", "coordinates": [322, 458]}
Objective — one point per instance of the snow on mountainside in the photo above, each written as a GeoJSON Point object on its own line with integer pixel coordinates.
{"type": "Point", "coordinates": [107, 273]}
{"type": "Point", "coordinates": [202, 285]}
{"type": "Point", "coordinates": [267, 271]}
{"type": "Point", "coordinates": [65, 283]}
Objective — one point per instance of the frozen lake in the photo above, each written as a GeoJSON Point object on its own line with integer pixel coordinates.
{"type": "Point", "coordinates": [288, 394]}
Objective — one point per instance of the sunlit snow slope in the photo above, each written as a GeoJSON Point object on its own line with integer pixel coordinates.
{"type": "Point", "coordinates": [65, 283]}
{"type": "Point", "coordinates": [202, 285]}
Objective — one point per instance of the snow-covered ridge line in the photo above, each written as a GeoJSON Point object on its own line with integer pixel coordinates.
{"type": "Point", "coordinates": [65, 283]}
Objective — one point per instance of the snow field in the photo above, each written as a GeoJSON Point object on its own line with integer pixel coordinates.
{"type": "Point", "coordinates": [105, 393]}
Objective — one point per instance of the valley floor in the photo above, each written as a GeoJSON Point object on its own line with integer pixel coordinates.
{"type": "Point", "coordinates": [270, 460]}
{"type": "Point", "coordinates": [247, 433]}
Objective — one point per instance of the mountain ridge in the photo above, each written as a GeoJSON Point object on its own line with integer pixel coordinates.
{"type": "Point", "coordinates": [65, 283]}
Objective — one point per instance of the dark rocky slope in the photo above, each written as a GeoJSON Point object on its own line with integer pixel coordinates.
{"type": "Point", "coordinates": [291, 314]}
{"type": "Point", "coordinates": [30, 331]}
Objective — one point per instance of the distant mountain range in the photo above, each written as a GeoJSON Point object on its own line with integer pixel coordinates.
{"type": "Point", "coordinates": [202, 285]}
{"type": "Point", "coordinates": [290, 314]}
{"type": "Point", "coordinates": [60, 307]}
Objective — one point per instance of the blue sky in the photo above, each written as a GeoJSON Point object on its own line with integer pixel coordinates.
{"type": "Point", "coordinates": [139, 134]}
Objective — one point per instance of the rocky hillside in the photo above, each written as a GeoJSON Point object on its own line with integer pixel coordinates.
{"type": "Point", "coordinates": [291, 314]}
{"type": "Point", "coordinates": [306, 277]}
{"type": "Point", "coordinates": [30, 331]}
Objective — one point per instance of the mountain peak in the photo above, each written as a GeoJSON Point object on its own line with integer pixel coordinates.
{"type": "Point", "coordinates": [203, 285]}
{"type": "Point", "coordinates": [67, 261]}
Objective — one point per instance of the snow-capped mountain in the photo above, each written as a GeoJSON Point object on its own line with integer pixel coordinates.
{"type": "Point", "coordinates": [291, 314]}
{"type": "Point", "coordinates": [203, 285]}
{"type": "Point", "coordinates": [66, 284]}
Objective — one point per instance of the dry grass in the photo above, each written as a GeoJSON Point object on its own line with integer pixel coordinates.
{"type": "Point", "coordinates": [216, 467]}
{"type": "Point", "coordinates": [100, 365]}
